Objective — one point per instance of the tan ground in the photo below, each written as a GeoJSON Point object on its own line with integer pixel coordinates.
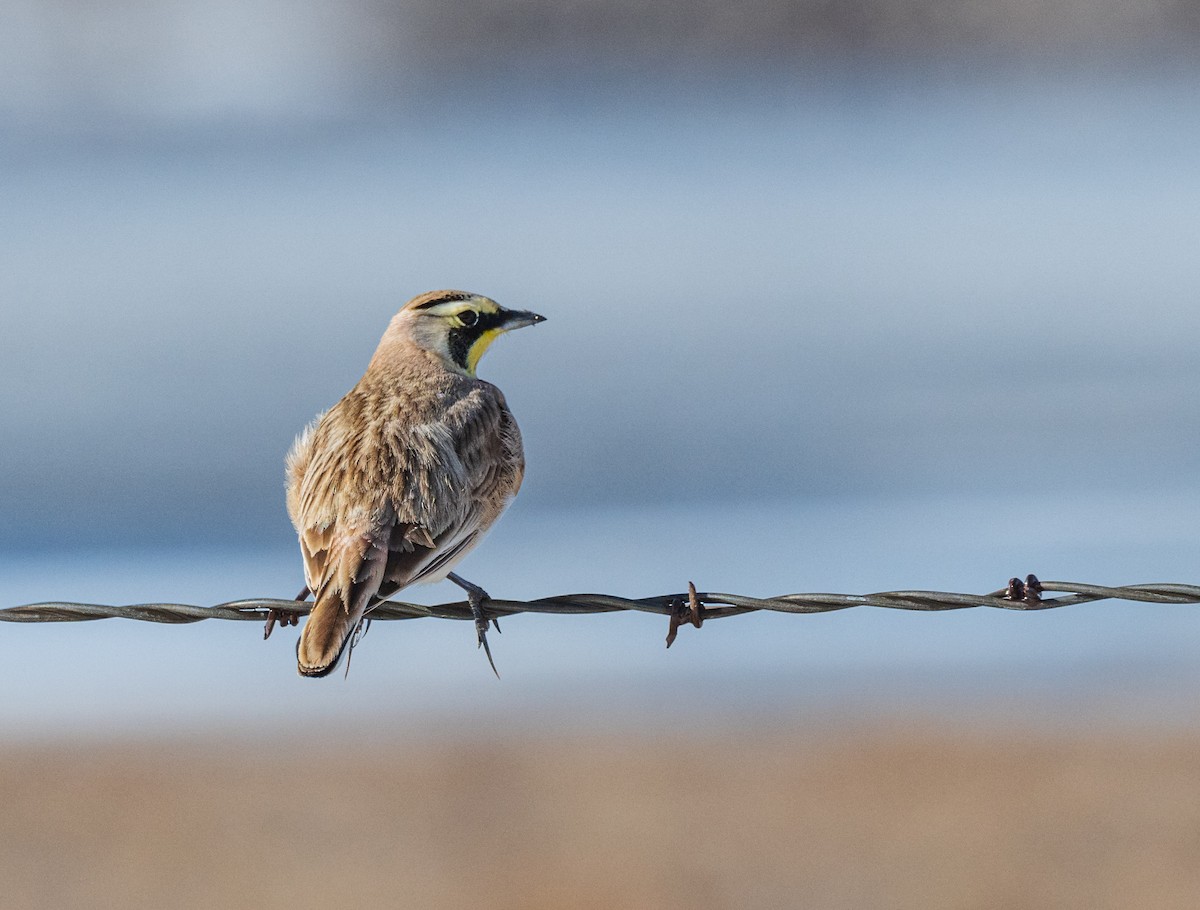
{"type": "Point", "coordinates": [884, 818]}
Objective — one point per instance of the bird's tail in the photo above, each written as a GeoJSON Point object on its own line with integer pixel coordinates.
{"type": "Point", "coordinates": [326, 634]}
{"type": "Point", "coordinates": [355, 572]}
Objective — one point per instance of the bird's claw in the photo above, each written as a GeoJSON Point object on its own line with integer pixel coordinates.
{"type": "Point", "coordinates": [477, 597]}
{"type": "Point", "coordinates": [285, 618]}
{"type": "Point", "coordinates": [481, 627]}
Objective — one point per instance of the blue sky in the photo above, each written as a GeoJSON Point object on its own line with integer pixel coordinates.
{"type": "Point", "coordinates": [873, 288]}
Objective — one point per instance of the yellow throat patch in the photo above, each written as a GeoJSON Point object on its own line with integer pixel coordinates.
{"type": "Point", "coordinates": [482, 343]}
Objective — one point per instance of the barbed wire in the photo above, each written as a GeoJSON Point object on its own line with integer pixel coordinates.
{"type": "Point", "coordinates": [690, 608]}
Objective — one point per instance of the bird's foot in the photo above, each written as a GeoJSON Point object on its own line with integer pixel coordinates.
{"type": "Point", "coordinates": [356, 636]}
{"type": "Point", "coordinates": [481, 627]}
{"type": "Point", "coordinates": [285, 618]}
{"type": "Point", "coordinates": [477, 597]}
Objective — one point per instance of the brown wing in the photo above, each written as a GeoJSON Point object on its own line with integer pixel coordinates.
{"type": "Point", "coordinates": [485, 446]}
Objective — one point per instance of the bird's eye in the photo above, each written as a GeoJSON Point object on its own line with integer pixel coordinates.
{"type": "Point", "coordinates": [468, 318]}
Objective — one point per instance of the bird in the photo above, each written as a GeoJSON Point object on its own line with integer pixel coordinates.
{"type": "Point", "coordinates": [403, 477]}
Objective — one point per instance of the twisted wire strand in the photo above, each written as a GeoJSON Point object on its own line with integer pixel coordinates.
{"type": "Point", "coordinates": [704, 605]}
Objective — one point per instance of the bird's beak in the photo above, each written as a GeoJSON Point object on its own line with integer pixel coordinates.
{"type": "Point", "coordinates": [518, 319]}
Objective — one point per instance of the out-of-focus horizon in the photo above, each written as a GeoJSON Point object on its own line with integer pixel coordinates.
{"type": "Point", "coordinates": [170, 63]}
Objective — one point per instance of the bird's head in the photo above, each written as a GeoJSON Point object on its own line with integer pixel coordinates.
{"type": "Point", "coordinates": [459, 326]}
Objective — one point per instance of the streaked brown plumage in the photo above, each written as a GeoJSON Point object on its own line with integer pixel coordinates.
{"type": "Point", "coordinates": [403, 476]}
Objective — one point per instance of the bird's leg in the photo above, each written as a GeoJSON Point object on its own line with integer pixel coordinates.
{"type": "Point", "coordinates": [477, 597]}
{"type": "Point", "coordinates": [356, 636]}
{"type": "Point", "coordinates": [285, 618]}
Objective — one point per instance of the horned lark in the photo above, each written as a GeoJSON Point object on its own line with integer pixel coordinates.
{"type": "Point", "coordinates": [402, 477]}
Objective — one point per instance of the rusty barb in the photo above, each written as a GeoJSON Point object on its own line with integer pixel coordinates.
{"type": "Point", "coordinates": [1028, 591]}
{"type": "Point", "coordinates": [685, 612]}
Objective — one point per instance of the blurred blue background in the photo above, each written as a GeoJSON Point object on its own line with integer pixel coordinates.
{"type": "Point", "coordinates": [895, 296]}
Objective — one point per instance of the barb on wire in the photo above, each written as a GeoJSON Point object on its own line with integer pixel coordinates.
{"type": "Point", "coordinates": [690, 608]}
